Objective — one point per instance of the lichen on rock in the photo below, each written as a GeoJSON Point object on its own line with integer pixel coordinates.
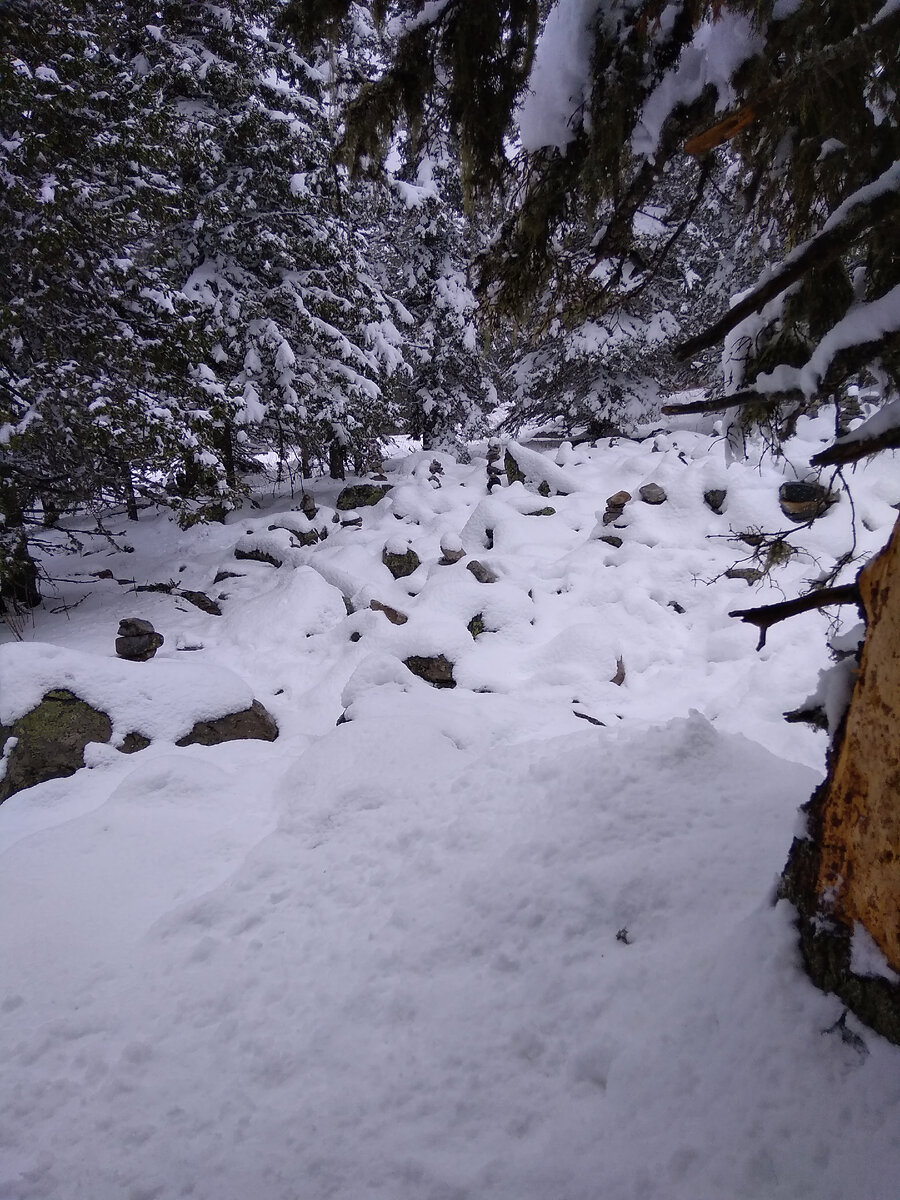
{"type": "Point", "coordinates": [361, 495]}
{"type": "Point", "coordinates": [50, 740]}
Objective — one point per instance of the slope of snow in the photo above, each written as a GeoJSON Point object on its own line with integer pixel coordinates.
{"type": "Point", "coordinates": [465, 943]}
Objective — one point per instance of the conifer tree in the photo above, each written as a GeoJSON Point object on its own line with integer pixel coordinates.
{"type": "Point", "coordinates": [805, 94]}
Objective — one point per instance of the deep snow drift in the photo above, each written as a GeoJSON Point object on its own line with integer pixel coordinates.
{"type": "Point", "coordinates": [466, 943]}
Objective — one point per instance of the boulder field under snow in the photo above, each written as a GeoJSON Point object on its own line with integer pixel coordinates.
{"type": "Point", "coordinates": [514, 938]}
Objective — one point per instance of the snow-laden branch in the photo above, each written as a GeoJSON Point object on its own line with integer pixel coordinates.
{"type": "Point", "coordinates": [836, 58]}
{"type": "Point", "coordinates": [737, 400]}
{"type": "Point", "coordinates": [880, 432]}
{"type": "Point", "coordinates": [872, 204]}
{"type": "Point", "coordinates": [864, 325]}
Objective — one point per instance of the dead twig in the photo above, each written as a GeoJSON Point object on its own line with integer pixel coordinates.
{"type": "Point", "coordinates": [768, 615]}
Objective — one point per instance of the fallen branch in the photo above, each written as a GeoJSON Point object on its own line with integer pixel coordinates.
{"type": "Point", "coordinates": [738, 400]}
{"type": "Point", "coordinates": [847, 452]}
{"type": "Point", "coordinates": [768, 615]}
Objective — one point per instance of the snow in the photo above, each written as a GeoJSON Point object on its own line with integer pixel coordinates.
{"type": "Point", "coordinates": [867, 959]}
{"type": "Point", "coordinates": [882, 421]}
{"type": "Point", "coordinates": [159, 699]}
{"type": "Point", "coordinates": [719, 47]}
{"type": "Point", "coordinates": [862, 324]}
{"type": "Point", "coordinates": [465, 943]}
{"type": "Point", "coordinates": [560, 77]}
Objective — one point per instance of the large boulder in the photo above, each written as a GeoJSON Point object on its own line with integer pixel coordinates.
{"type": "Point", "coordinates": [49, 741]}
{"type": "Point", "coordinates": [254, 722]}
{"type": "Point", "coordinates": [54, 701]}
{"type": "Point", "coordinates": [361, 495]}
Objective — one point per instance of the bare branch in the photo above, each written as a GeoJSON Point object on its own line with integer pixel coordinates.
{"type": "Point", "coordinates": [840, 453]}
{"type": "Point", "coordinates": [738, 400]}
{"type": "Point", "coordinates": [820, 250]}
{"type": "Point", "coordinates": [770, 614]}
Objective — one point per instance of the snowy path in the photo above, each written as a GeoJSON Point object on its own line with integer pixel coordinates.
{"type": "Point", "coordinates": [414, 989]}
{"type": "Point", "coordinates": [381, 960]}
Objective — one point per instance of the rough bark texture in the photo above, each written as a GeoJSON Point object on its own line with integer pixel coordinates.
{"type": "Point", "coordinates": [848, 870]}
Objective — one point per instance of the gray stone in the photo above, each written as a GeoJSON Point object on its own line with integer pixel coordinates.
{"type": "Point", "coordinates": [615, 506]}
{"type": "Point", "coordinates": [802, 502]}
{"type": "Point", "coordinates": [714, 499]}
{"type": "Point", "coordinates": [393, 614]}
{"type": "Point", "coordinates": [611, 540]}
{"type": "Point", "coordinates": [514, 472]}
{"type": "Point", "coordinates": [482, 573]}
{"type": "Point", "coordinates": [51, 740]}
{"type": "Point", "coordinates": [258, 556]}
{"type": "Point", "coordinates": [361, 495]}
{"type": "Point", "coordinates": [134, 627]}
{"type": "Point", "coordinates": [308, 537]}
{"type": "Point", "coordinates": [401, 565]}
{"type": "Point", "coordinates": [435, 669]}
{"type": "Point", "coordinates": [132, 742]}
{"type": "Point", "coordinates": [254, 722]}
{"type": "Point", "coordinates": [137, 640]}
{"type": "Point", "coordinates": [652, 493]}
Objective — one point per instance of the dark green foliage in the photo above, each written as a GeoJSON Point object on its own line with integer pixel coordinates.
{"type": "Point", "coordinates": [184, 281]}
{"type": "Point", "coordinates": [814, 101]}
{"type": "Point", "coordinates": [477, 55]}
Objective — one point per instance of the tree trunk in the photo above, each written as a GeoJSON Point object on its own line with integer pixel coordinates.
{"type": "Point", "coordinates": [224, 439]}
{"type": "Point", "coordinates": [844, 878]}
{"type": "Point", "coordinates": [336, 460]}
{"type": "Point", "coordinates": [131, 508]}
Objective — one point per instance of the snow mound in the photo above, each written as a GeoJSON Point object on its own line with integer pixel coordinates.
{"type": "Point", "coordinates": [161, 699]}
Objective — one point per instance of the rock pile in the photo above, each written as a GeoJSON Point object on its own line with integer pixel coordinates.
{"type": "Point", "coordinates": [137, 640]}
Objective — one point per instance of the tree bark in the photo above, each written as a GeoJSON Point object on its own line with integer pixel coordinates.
{"type": "Point", "coordinates": [336, 460]}
{"type": "Point", "coordinates": [845, 876]}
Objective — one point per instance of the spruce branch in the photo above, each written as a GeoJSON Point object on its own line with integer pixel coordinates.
{"type": "Point", "coordinates": [819, 251]}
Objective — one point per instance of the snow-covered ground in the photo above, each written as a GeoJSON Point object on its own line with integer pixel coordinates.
{"type": "Point", "coordinates": [465, 944]}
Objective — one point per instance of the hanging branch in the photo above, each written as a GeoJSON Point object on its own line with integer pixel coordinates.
{"type": "Point", "coordinates": [840, 453]}
{"type": "Point", "coordinates": [820, 250]}
{"type": "Point", "coordinates": [840, 57]}
{"type": "Point", "coordinates": [770, 614]}
{"type": "Point", "coordinates": [738, 400]}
